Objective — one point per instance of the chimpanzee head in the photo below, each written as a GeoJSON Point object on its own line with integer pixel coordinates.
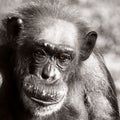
{"type": "Point", "coordinates": [48, 47]}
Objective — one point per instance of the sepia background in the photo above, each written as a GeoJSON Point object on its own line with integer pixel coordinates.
{"type": "Point", "coordinates": [104, 17]}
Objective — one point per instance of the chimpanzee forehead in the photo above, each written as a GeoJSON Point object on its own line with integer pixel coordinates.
{"type": "Point", "coordinates": [60, 33]}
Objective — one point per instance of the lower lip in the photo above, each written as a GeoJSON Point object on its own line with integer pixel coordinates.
{"type": "Point", "coordinates": [44, 102]}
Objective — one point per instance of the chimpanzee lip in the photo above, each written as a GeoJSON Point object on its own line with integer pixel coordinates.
{"type": "Point", "coordinates": [44, 100]}
{"type": "Point", "coordinates": [39, 101]}
{"type": "Point", "coordinates": [43, 95]}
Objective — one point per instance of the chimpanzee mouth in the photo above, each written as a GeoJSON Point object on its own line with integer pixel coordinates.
{"type": "Point", "coordinates": [45, 103]}
{"type": "Point", "coordinates": [44, 98]}
{"type": "Point", "coordinates": [42, 94]}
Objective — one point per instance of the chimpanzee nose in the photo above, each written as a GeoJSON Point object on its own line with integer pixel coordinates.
{"type": "Point", "coordinates": [48, 72]}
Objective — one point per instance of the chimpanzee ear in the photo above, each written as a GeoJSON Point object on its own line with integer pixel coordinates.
{"type": "Point", "coordinates": [13, 27]}
{"type": "Point", "coordinates": [88, 44]}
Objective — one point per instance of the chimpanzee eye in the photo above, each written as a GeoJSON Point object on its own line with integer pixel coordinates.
{"type": "Point", "coordinates": [64, 59]}
{"type": "Point", "coordinates": [39, 55]}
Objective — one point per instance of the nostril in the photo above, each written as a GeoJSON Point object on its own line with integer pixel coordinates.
{"type": "Point", "coordinates": [45, 76]}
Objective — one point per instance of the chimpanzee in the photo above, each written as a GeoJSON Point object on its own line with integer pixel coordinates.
{"type": "Point", "coordinates": [49, 67]}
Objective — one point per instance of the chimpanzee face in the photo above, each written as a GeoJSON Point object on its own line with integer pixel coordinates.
{"type": "Point", "coordinates": [47, 51]}
{"type": "Point", "coordinates": [44, 61]}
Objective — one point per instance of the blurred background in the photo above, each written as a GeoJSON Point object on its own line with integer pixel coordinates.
{"type": "Point", "coordinates": [104, 16]}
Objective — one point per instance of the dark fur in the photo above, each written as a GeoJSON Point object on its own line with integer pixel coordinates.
{"type": "Point", "coordinates": [90, 86]}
